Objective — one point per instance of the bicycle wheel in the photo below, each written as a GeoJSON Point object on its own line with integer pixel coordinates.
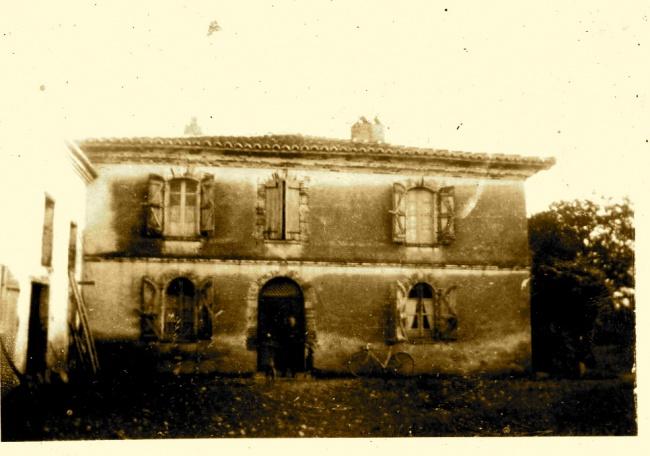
{"type": "Point", "coordinates": [362, 364]}
{"type": "Point", "coordinates": [401, 364]}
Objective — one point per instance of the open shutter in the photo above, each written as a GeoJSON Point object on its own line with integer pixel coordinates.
{"type": "Point", "coordinates": [155, 203]}
{"type": "Point", "coordinates": [207, 205]}
{"type": "Point", "coordinates": [447, 323]}
{"type": "Point", "coordinates": [273, 209]}
{"type": "Point", "coordinates": [396, 328]}
{"type": "Point", "coordinates": [149, 315]}
{"type": "Point", "coordinates": [292, 209]}
{"type": "Point", "coordinates": [204, 309]}
{"type": "Point", "coordinates": [399, 213]}
{"type": "Point", "coordinates": [446, 214]}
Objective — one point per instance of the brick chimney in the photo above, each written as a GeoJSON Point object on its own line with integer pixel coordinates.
{"type": "Point", "coordinates": [366, 131]}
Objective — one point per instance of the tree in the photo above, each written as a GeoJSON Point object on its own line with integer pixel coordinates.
{"type": "Point", "coordinates": [582, 282]}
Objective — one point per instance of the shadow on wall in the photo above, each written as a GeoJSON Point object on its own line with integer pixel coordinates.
{"type": "Point", "coordinates": [128, 198]}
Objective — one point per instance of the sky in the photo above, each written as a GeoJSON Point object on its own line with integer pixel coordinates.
{"type": "Point", "coordinates": [567, 79]}
{"type": "Point", "coordinates": [553, 78]}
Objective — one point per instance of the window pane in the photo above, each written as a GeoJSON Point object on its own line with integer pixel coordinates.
{"type": "Point", "coordinates": [419, 311]}
{"type": "Point", "coordinates": [421, 290]}
{"type": "Point", "coordinates": [175, 186]}
{"type": "Point", "coordinates": [190, 186]}
{"type": "Point", "coordinates": [175, 214]}
{"type": "Point", "coordinates": [175, 199]}
{"type": "Point", "coordinates": [179, 309]}
{"type": "Point", "coordinates": [190, 215]}
{"type": "Point", "coordinates": [419, 212]}
{"type": "Point", "coordinates": [190, 199]}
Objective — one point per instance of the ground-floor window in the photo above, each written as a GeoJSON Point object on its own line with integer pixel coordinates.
{"type": "Point", "coordinates": [179, 311]}
{"type": "Point", "coordinates": [427, 313]}
{"type": "Point", "coordinates": [419, 311]}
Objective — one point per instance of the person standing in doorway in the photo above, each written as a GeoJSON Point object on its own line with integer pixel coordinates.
{"type": "Point", "coordinates": [295, 346]}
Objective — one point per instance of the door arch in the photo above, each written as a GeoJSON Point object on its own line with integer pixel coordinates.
{"type": "Point", "coordinates": [281, 325]}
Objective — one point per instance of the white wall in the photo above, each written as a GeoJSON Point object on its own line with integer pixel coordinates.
{"type": "Point", "coordinates": [24, 183]}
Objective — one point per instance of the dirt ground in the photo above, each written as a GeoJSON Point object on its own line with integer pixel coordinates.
{"type": "Point", "coordinates": [209, 406]}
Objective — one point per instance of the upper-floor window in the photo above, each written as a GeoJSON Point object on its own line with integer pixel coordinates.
{"type": "Point", "coordinates": [423, 215]}
{"type": "Point", "coordinates": [48, 232]}
{"type": "Point", "coordinates": [180, 207]}
{"type": "Point", "coordinates": [281, 207]}
{"type": "Point", "coordinates": [182, 210]}
{"type": "Point", "coordinates": [420, 220]}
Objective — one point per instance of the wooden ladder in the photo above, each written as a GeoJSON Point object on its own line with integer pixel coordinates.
{"type": "Point", "coordinates": [80, 331]}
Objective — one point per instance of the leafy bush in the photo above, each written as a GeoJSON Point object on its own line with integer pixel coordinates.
{"type": "Point", "coordinates": [582, 283]}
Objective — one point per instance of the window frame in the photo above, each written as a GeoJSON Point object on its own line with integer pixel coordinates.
{"type": "Point", "coordinates": [443, 315]}
{"type": "Point", "coordinates": [288, 196]}
{"type": "Point", "coordinates": [422, 309]}
{"type": "Point", "coordinates": [169, 230]}
{"type": "Point", "coordinates": [443, 220]}
{"type": "Point", "coordinates": [419, 217]}
{"type": "Point", "coordinates": [155, 305]}
{"type": "Point", "coordinates": [158, 207]}
{"type": "Point", "coordinates": [180, 307]}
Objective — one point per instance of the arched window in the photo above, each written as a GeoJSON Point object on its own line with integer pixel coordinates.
{"type": "Point", "coordinates": [180, 310]}
{"type": "Point", "coordinates": [420, 224]}
{"type": "Point", "coordinates": [419, 311]}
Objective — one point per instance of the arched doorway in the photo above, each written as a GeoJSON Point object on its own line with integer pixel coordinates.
{"type": "Point", "coordinates": [179, 310]}
{"type": "Point", "coordinates": [281, 325]}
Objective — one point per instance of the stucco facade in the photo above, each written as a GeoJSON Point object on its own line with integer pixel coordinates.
{"type": "Point", "coordinates": [345, 234]}
{"type": "Point", "coordinates": [40, 246]}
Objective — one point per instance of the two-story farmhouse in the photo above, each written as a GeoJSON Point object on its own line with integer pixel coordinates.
{"type": "Point", "coordinates": [198, 247]}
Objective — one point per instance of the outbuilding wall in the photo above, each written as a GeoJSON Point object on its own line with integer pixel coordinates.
{"type": "Point", "coordinates": [27, 182]}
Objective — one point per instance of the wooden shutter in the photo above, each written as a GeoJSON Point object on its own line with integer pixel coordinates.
{"type": "Point", "coordinates": [292, 209]}
{"type": "Point", "coordinates": [273, 209]}
{"type": "Point", "coordinates": [155, 203]}
{"type": "Point", "coordinates": [399, 213]}
{"type": "Point", "coordinates": [447, 322]}
{"type": "Point", "coordinates": [204, 309]}
{"type": "Point", "coordinates": [207, 205]}
{"type": "Point", "coordinates": [396, 329]}
{"type": "Point", "coordinates": [150, 313]}
{"type": "Point", "coordinates": [446, 214]}
{"type": "Point", "coordinates": [48, 233]}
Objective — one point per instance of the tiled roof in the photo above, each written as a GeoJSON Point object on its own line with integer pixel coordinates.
{"type": "Point", "coordinates": [300, 143]}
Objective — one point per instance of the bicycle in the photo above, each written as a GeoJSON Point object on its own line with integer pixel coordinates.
{"type": "Point", "coordinates": [366, 362]}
